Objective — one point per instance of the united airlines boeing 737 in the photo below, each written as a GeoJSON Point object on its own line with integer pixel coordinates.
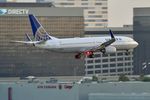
{"type": "Point", "coordinates": [81, 46]}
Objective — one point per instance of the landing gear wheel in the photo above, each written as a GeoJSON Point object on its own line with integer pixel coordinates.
{"type": "Point", "coordinates": [91, 56]}
{"type": "Point", "coordinates": [103, 51]}
{"type": "Point", "coordinates": [78, 56]}
{"type": "Point", "coordinates": [127, 52]}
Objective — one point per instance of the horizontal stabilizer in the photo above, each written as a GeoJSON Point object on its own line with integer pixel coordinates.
{"type": "Point", "coordinates": [29, 42]}
{"type": "Point", "coordinates": [25, 42]}
{"type": "Point", "coordinates": [28, 37]}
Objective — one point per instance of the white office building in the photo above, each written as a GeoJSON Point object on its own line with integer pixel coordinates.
{"type": "Point", "coordinates": [109, 64]}
{"type": "Point", "coordinates": [95, 11]}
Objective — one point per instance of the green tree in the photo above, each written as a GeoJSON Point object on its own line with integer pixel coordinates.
{"type": "Point", "coordinates": [124, 78]}
{"type": "Point", "coordinates": [94, 78]}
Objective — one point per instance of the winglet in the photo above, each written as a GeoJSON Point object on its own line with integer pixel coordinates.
{"type": "Point", "coordinates": [111, 33]}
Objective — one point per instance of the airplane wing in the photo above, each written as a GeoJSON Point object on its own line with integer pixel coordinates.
{"type": "Point", "coordinates": [103, 45]}
{"type": "Point", "coordinates": [26, 42]}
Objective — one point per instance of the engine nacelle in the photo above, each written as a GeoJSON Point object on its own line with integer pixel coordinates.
{"type": "Point", "coordinates": [110, 49]}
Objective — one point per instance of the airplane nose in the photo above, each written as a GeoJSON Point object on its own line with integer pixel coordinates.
{"type": "Point", "coordinates": [136, 43]}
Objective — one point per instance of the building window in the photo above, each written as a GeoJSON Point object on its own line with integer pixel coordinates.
{"type": "Point", "coordinates": [113, 54]}
{"type": "Point", "coordinates": [127, 58]}
{"type": "Point", "coordinates": [97, 61]}
{"type": "Point", "coordinates": [120, 64]}
{"type": "Point", "coordinates": [86, 24]}
{"type": "Point", "coordinates": [105, 65]}
{"type": "Point", "coordinates": [90, 61]}
{"type": "Point", "coordinates": [104, 12]}
{"type": "Point", "coordinates": [84, 4]}
{"type": "Point", "coordinates": [128, 64]}
{"type": "Point", "coordinates": [98, 24]}
{"type": "Point", "coordinates": [95, 16]}
{"type": "Point", "coordinates": [112, 70]}
{"type": "Point", "coordinates": [97, 66]}
{"type": "Point", "coordinates": [101, 0]}
{"type": "Point", "coordinates": [97, 71]}
{"type": "Point", "coordinates": [98, 3]}
{"type": "Point", "coordinates": [129, 53]}
{"type": "Point", "coordinates": [112, 65]}
{"type": "Point", "coordinates": [105, 71]}
{"type": "Point", "coordinates": [120, 54]}
{"type": "Point", "coordinates": [112, 59]}
{"type": "Point", "coordinates": [105, 55]}
{"type": "Point", "coordinates": [129, 69]}
{"type": "Point", "coordinates": [90, 20]}
{"type": "Point", "coordinates": [104, 7]}
{"type": "Point", "coordinates": [120, 70]}
{"type": "Point", "coordinates": [66, 3]}
{"type": "Point", "coordinates": [97, 55]}
{"type": "Point", "coordinates": [90, 72]}
{"type": "Point", "coordinates": [104, 20]}
{"type": "Point", "coordinates": [120, 59]}
{"type": "Point", "coordinates": [105, 60]}
{"type": "Point", "coordinates": [90, 67]}
{"type": "Point", "coordinates": [91, 12]}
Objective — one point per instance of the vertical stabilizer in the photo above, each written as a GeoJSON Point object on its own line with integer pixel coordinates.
{"type": "Point", "coordinates": [39, 32]}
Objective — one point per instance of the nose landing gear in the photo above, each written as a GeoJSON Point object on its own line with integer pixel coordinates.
{"type": "Point", "coordinates": [127, 52]}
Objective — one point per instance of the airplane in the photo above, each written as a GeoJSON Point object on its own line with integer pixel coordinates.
{"type": "Point", "coordinates": [85, 46]}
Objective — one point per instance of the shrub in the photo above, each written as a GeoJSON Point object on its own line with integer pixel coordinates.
{"type": "Point", "coordinates": [94, 78]}
{"type": "Point", "coordinates": [122, 77]}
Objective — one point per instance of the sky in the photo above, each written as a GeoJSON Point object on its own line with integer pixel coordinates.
{"type": "Point", "coordinates": [120, 12]}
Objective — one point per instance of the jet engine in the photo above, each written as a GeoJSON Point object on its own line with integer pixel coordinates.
{"type": "Point", "coordinates": [109, 49]}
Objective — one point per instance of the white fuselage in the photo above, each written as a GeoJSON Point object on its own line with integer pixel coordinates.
{"type": "Point", "coordinates": [82, 44]}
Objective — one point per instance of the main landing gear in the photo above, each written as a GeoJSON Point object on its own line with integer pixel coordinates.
{"type": "Point", "coordinates": [78, 56]}
{"type": "Point", "coordinates": [103, 50]}
{"type": "Point", "coordinates": [127, 52]}
{"type": "Point", "coordinates": [89, 54]}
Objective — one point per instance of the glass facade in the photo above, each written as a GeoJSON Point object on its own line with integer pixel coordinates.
{"type": "Point", "coordinates": [22, 60]}
{"type": "Point", "coordinates": [141, 32]}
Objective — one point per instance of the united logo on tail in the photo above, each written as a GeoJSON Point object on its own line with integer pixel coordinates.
{"type": "Point", "coordinates": [39, 32]}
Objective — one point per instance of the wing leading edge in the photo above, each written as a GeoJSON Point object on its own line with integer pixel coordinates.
{"type": "Point", "coordinates": [102, 47]}
{"type": "Point", "coordinates": [105, 44]}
